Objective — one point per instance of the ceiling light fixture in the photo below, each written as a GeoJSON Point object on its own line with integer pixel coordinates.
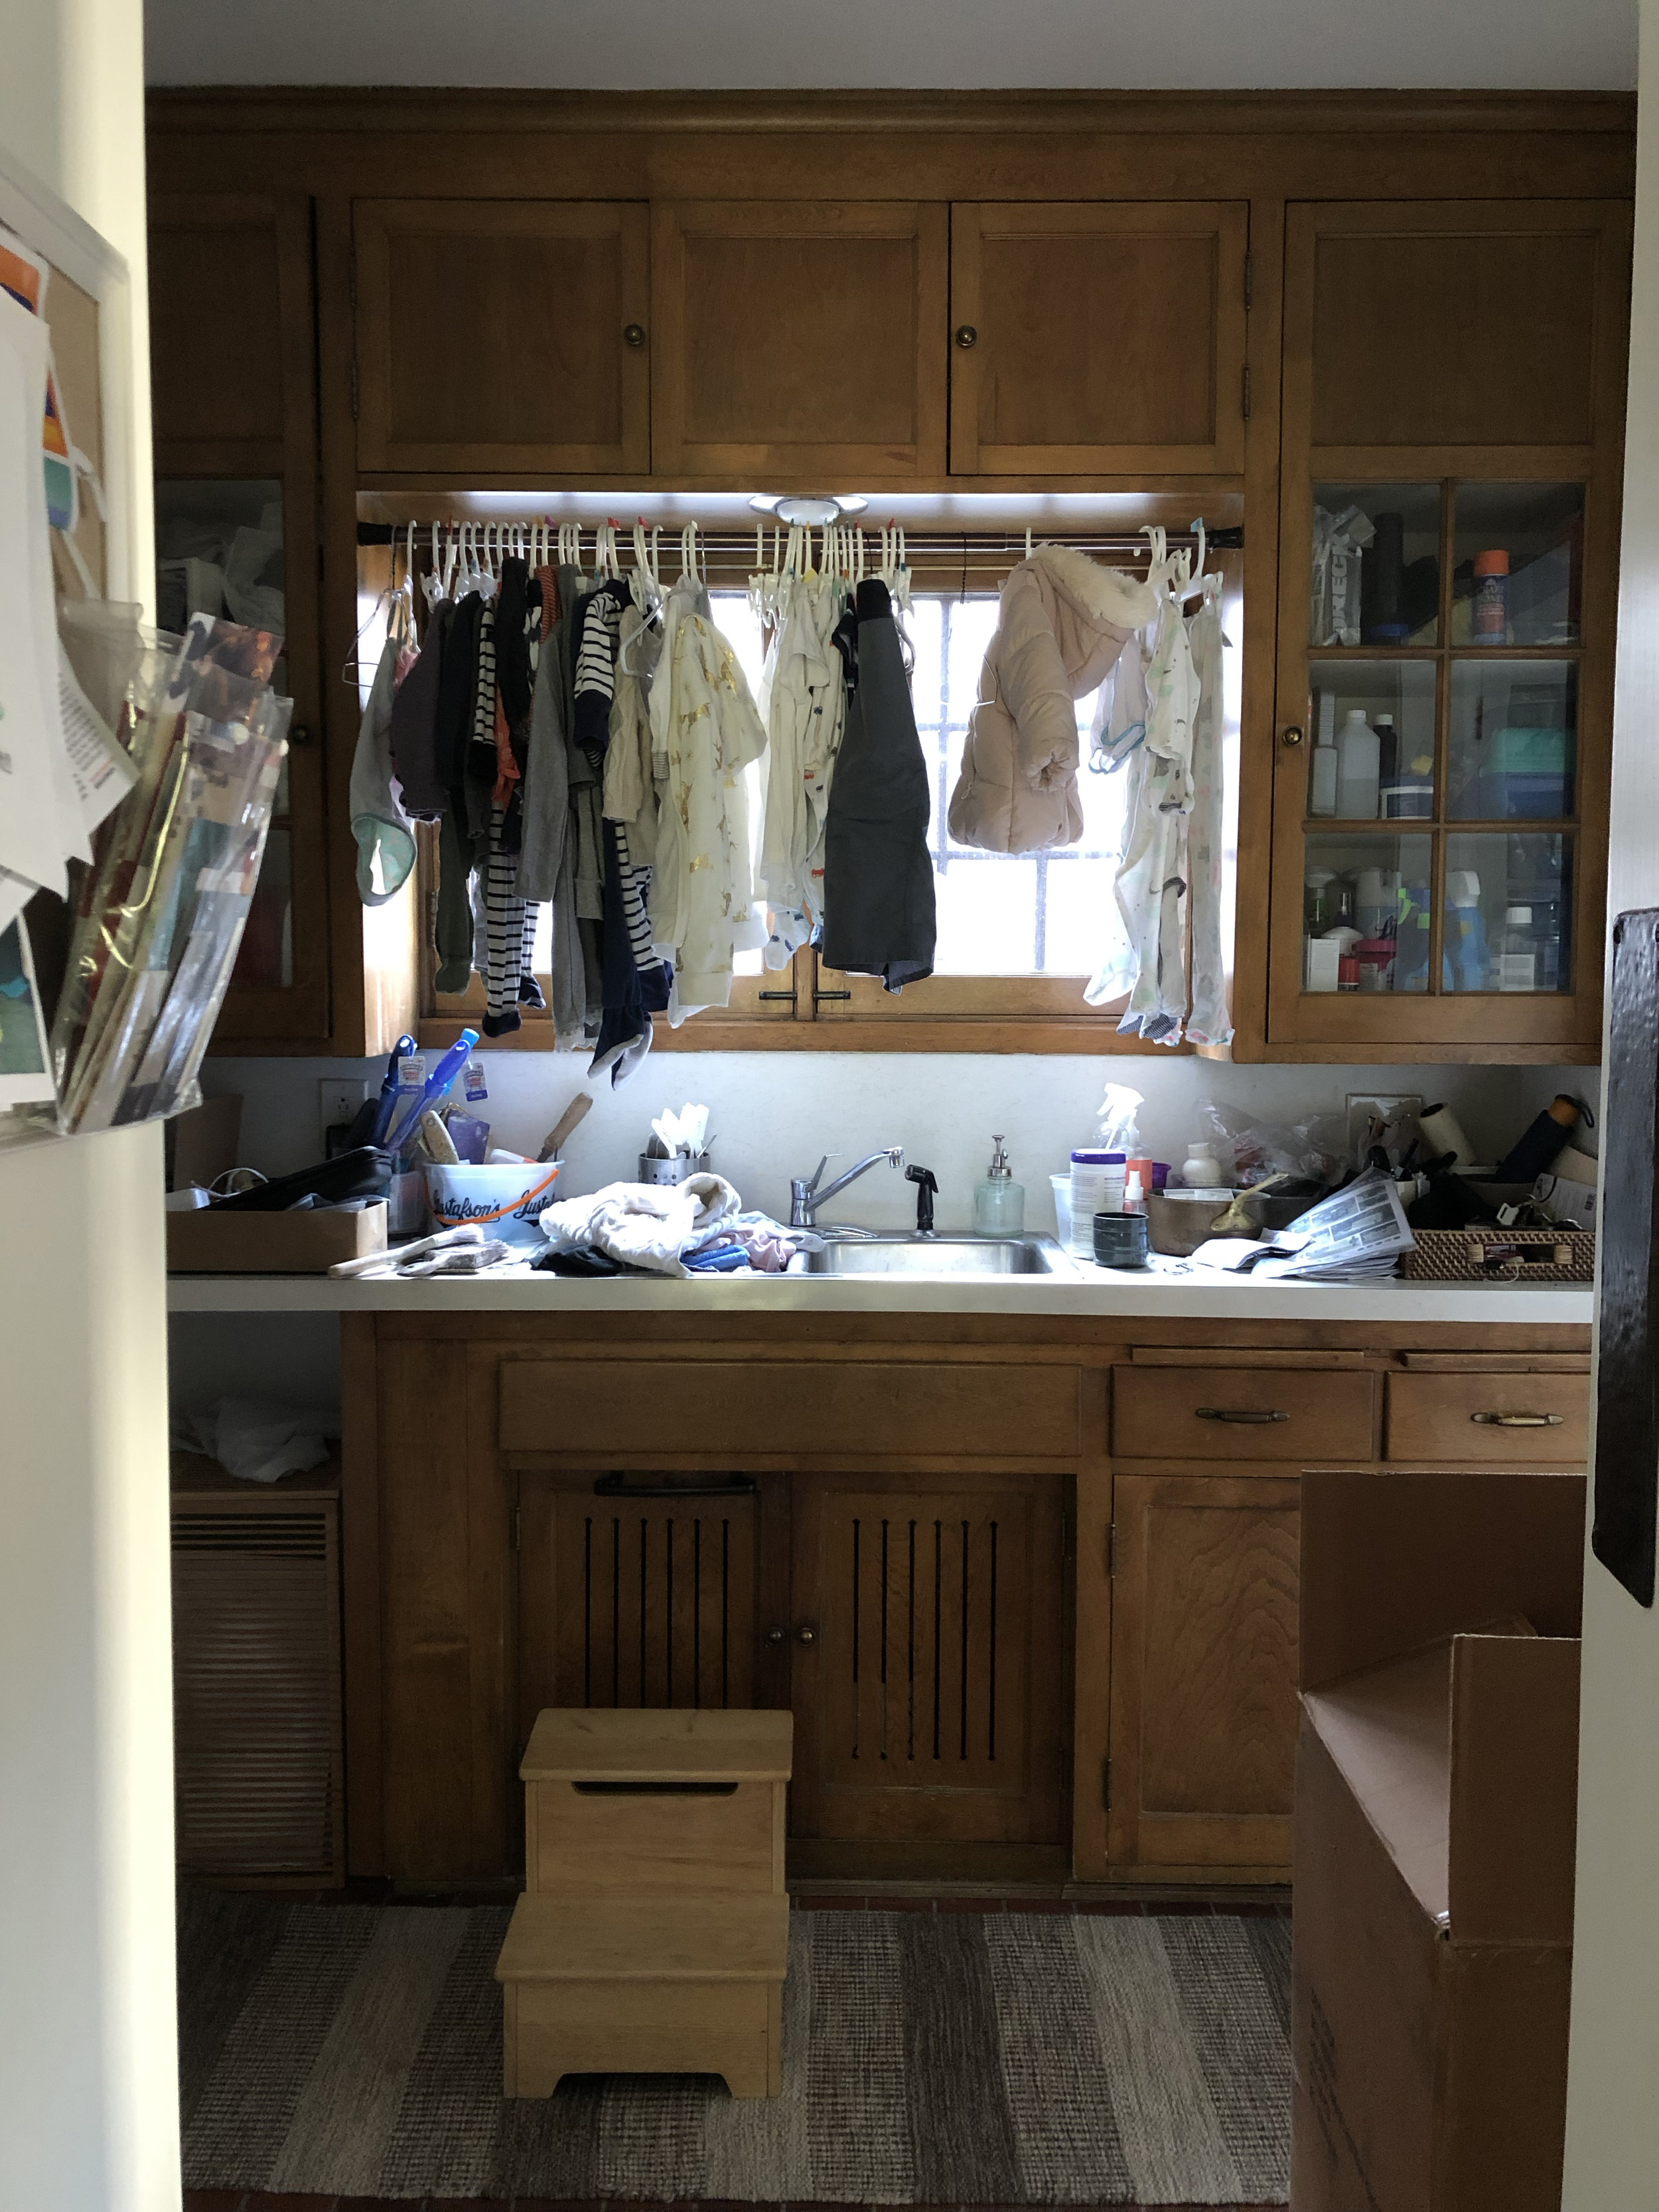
{"type": "Point", "coordinates": [807, 514]}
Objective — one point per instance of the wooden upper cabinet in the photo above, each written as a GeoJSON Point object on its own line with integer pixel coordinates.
{"type": "Point", "coordinates": [1097, 338]}
{"type": "Point", "coordinates": [502, 334]}
{"type": "Point", "coordinates": [800, 340]}
{"type": "Point", "coordinates": [230, 329]}
{"type": "Point", "coordinates": [1468, 324]}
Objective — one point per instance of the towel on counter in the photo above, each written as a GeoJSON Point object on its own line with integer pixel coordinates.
{"type": "Point", "coordinates": [644, 1224]}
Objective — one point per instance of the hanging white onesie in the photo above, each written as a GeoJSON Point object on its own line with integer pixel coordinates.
{"type": "Point", "coordinates": [1210, 1021]}
{"type": "Point", "coordinates": [1152, 880]}
{"type": "Point", "coordinates": [704, 733]}
{"type": "Point", "coordinates": [802, 702]}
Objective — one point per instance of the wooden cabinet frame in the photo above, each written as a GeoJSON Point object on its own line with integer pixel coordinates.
{"type": "Point", "coordinates": [1432, 1026]}
{"type": "Point", "coordinates": [294, 1016]}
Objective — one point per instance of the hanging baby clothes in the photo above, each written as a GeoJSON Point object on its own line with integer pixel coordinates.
{"type": "Point", "coordinates": [705, 732]}
{"type": "Point", "coordinates": [1118, 745]}
{"type": "Point", "coordinates": [878, 875]}
{"type": "Point", "coordinates": [414, 735]}
{"type": "Point", "coordinates": [1062, 623]}
{"type": "Point", "coordinates": [383, 831]}
{"type": "Point", "coordinates": [1210, 1021]}
{"type": "Point", "coordinates": [509, 921]}
{"type": "Point", "coordinates": [547, 865]}
{"type": "Point", "coordinates": [1152, 880]}
{"type": "Point", "coordinates": [803, 701]}
{"type": "Point", "coordinates": [458, 851]}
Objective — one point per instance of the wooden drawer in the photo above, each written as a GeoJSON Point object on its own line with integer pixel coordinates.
{"type": "Point", "coordinates": [788, 1409]}
{"type": "Point", "coordinates": [699, 1836]}
{"type": "Point", "coordinates": [1507, 1420]}
{"type": "Point", "coordinates": [1228, 1413]}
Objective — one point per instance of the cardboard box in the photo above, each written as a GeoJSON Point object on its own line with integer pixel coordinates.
{"type": "Point", "coordinates": [211, 1243]}
{"type": "Point", "coordinates": [1437, 1779]}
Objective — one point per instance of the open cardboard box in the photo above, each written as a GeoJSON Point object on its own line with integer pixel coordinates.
{"type": "Point", "coordinates": [307, 1241]}
{"type": "Point", "coordinates": [1437, 1778]}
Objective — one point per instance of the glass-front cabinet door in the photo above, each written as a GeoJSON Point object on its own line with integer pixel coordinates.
{"type": "Point", "coordinates": [232, 343]}
{"type": "Point", "coordinates": [1445, 664]}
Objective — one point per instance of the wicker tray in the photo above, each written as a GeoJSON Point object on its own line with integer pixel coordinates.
{"type": "Point", "coordinates": [1496, 1254]}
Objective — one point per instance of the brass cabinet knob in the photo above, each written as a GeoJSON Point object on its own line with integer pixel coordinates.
{"type": "Point", "coordinates": [967, 335]}
{"type": "Point", "coordinates": [1291, 735]}
{"type": "Point", "coordinates": [777, 1635]}
{"type": "Point", "coordinates": [806, 1633]}
{"type": "Point", "coordinates": [634, 335]}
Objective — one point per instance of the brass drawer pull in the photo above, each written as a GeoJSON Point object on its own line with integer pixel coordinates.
{"type": "Point", "coordinates": [1236, 1413]}
{"type": "Point", "coordinates": [967, 337]}
{"type": "Point", "coordinates": [1517, 1420]}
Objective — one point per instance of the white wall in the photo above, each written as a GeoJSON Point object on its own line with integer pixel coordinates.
{"type": "Point", "coordinates": [1613, 2112]}
{"type": "Point", "coordinates": [88, 2077]}
{"type": "Point", "coordinates": [1230, 44]}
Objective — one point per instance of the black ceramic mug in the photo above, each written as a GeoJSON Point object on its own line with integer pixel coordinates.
{"type": "Point", "coordinates": [1121, 1240]}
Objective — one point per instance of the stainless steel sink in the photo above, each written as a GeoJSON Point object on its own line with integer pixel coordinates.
{"type": "Point", "coordinates": [941, 1255]}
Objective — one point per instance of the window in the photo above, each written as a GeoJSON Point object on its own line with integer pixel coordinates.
{"type": "Point", "coordinates": [1019, 936]}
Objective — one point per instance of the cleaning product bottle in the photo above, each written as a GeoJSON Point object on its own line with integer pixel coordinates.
{"type": "Point", "coordinates": [1134, 1197]}
{"type": "Point", "coordinates": [998, 1200]}
{"type": "Point", "coordinates": [1359, 755]}
{"type": "Point", "coordinates": [1321, 774]}
{"type": "Point", "coordinates": [1201, 1170]}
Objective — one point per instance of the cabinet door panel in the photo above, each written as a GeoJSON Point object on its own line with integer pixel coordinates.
{"type": "Point", "coordinates": [1098, 337]}
{"type": "Point", "coordinates": [219, 371]}
{"type": "Point", "coordinates": [1204, 1643]}
{"type": "Point", "coordinates": [635, 1600]}
{"type": "Point", "coordinates": [1474, 325]}
{"type": "Point", "coordinates": [800, 335]}
{"type": "Point", "coordinates": [929, 1702]}
{"type": "Point", "coordinates": [490, 334]}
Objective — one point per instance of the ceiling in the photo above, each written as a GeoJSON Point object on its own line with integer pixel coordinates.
{"type": "Point", "coordinates": [709, 45]}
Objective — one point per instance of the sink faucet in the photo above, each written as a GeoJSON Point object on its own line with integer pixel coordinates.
{"type": "Point", "coordinates": [805, 1198]}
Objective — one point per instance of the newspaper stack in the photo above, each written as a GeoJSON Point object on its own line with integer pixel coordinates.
{"type": "Point", "coordinates": [1355, 1236]}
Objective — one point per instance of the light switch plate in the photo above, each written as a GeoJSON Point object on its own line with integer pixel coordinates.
{"type": "Point", "coordinates": [338, 1098]}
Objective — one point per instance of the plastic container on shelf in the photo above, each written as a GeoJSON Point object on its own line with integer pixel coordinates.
{"type": "Point", "coordinates": [1358, 757]}
{"type": "Point", "coordinates": [1464, 961]}
{"type": "Point", "coordinates": [1096, 1188]}
{"type": "Point", "coordinates": [1517, 953]}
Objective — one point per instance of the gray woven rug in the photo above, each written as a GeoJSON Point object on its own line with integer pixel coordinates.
{"type": "Point", "coordinates": [950, 2058]}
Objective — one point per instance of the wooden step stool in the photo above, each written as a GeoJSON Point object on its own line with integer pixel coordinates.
{"type": "Point", "coordinates": [653, 1935]}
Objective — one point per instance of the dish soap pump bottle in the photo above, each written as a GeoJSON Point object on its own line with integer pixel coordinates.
{"type": "Point", "coordinates": [998, 1200]}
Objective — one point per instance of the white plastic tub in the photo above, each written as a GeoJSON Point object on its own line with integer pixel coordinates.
{"type": "Point", "coordinates": [504, 1201]}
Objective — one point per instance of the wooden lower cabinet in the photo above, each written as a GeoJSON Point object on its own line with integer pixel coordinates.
{"type": "Point", "coordinates": [966, 1631]}
{"type": "Point", "coordinates": [930, 1673]}
{"type": "Point", "coordinates": [1203, 1638]}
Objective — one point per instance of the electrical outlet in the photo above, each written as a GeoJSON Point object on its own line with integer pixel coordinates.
{"type": "Point", "coordinates": [1366, 1106]}
{"type": "Point", "coordinates": [338, 1098]}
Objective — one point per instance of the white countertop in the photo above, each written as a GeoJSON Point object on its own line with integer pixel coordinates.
{"type": "Point", "coordinates": [1159, 1293]}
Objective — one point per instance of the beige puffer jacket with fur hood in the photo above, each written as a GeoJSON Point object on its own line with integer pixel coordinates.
{"type": "Point", "coordinates": [1063, 622]}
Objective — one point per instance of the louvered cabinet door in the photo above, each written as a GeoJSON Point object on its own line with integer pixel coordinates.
{"type": "Point", "coordinates": [634, 1591]}
{"type": "Point", "coordinates": [256, 1687]}
{"type": "Point", "coordinates": [929, 1675]}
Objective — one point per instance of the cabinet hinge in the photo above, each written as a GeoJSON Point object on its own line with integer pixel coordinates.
{"type": "Point", "coordinates": [1244, 390]}
{"type": "Point", "coordinates": [1111, 1551]}
{"type": "Point", "coordinates": [351, 276]}
{"type": "Point", "coordinates": [1249, 279]}
{"type": "Point", "coordinates": [515, 1528]}
{"type": "Point", "coordinates": [1106, 1784]}
{"type": "Point", "coordinates": [354, 391]}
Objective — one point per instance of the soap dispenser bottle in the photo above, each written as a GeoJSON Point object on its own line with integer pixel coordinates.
{"type": "Point", "coordinates": [998, 1200]}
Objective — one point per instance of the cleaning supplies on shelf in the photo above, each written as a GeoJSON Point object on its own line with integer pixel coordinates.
{"type": "Point", "coordinates": [998, 1200]}
{"type": "Point", "coordinates": [407, 1124]}
{"type": "Point", "coordinates": [1358, 759]}
{"type": "Point", "coordinates": [1201, 1169]}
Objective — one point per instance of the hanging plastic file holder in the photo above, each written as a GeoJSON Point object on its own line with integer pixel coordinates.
{"type": "Point", "coordinates": [160, 911]}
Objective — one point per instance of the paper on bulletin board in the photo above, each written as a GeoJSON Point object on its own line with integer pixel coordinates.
{"type": "Point", "coordinates": [25, 1064]}
{"type": "Point", "coordinates": [25, 276]}
{"type": "Point", "coordinates": [42, 819]}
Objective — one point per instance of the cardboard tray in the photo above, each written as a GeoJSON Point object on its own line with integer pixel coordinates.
{"type": "Point", "coordinates": [1490, 1254]}
{"type": "Point", "coordinates": [209, 1242]}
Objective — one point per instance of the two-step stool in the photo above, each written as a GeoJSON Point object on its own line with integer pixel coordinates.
{"type": "Point", "coordinates": [653, 1936]}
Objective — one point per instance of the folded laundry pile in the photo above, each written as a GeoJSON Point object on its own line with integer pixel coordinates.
{"type": "Point", "coordinates": [257, 1441]}
{"type": "Point", "coordinates": [694, 1227]}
